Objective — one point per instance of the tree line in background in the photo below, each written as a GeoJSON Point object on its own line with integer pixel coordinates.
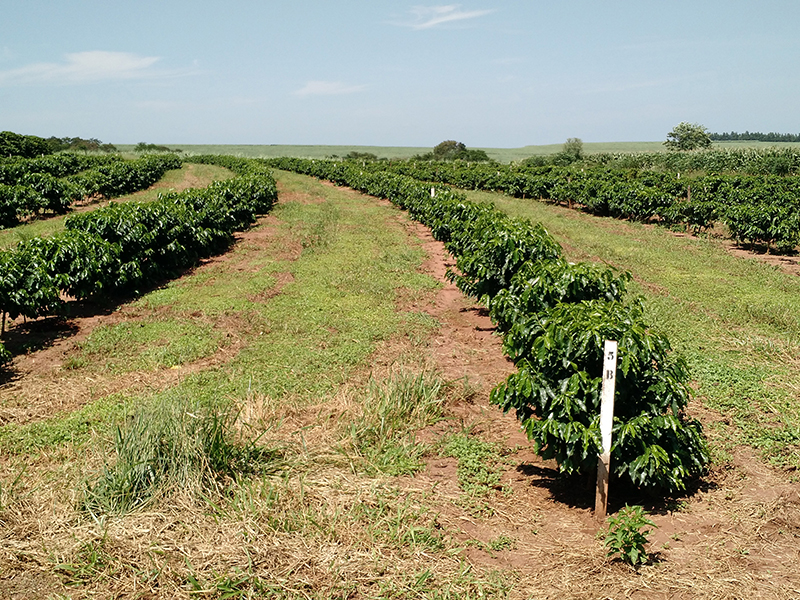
{"type": "Point", "coordinates": [755, 136]}
{"type": "Point", "coordinates": [693, 136]}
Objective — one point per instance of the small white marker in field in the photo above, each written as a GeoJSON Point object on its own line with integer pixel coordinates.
{"type": "Point", "coordinates": [606, 422]}
{"type": "Point", "coordinates": [433, 192]}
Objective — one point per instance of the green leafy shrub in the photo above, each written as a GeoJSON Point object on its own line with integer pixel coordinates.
{"type": "Point", "coordinates": [556, 394]}
{"type": "Point", "coordinates": [626, 537]}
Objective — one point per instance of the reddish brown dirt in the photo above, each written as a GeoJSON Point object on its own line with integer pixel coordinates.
{"type": "Point", "coordinates": [466, 345]}
{"type": "Point", "coordinates": [787, 264]}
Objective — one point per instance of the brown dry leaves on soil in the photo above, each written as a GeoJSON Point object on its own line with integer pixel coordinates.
{"type": "Point", "coordinates": [324, 528]}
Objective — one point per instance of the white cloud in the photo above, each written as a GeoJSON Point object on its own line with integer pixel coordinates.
{"type": "Point", "coordinates": [426, 17]}
{"type": "Point", "coordinates": [84, 67]}
{"type": "Point", "coordinates": [328, 88]}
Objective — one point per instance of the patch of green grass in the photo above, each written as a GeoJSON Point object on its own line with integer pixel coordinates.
{"type": "Point", "coordinates": [468, 583]}
{"type": "Point", "coordinates": [478, 463]}
{"type": "Point", "coordinates": [40, 228]}
{"type": "Point", "coordinates": [501, 543]}
{"type": "Point", "coordinates": [147, 345]}
{"type": "Point", "coordinates": [73, 428]}
{"type": "Point", "coordinates": [176, 445]}
{"type": "Point", "coordinates": [399, 521]}
{"type": "Point", "coordinates": [90, 562]}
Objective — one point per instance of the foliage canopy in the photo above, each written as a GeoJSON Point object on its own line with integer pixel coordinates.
{"type": "Point", "coordinates": [688, 136]}
{"type": "Point", "coordinates": [449, 150]}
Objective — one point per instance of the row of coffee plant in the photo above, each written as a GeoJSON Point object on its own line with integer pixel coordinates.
{"type": "Point", "coordinates": [53, 183]}
{"type": "Point", "coordinates": [763, 210]}
{"type": "Point", "coordinates": [747, 161]}
{"type": "Point", "coordinates": [57, 165]}
{"type": "Point", "coordinates": [123, 248]}
{"type": "Point", "coordinates": [554, 317]}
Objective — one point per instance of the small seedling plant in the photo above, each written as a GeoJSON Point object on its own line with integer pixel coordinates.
{"type": "Point", "coordinates": [626, 535]}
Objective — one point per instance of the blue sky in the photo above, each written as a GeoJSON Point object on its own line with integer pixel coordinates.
{"type": "Point", "coordinates": [490, 74]}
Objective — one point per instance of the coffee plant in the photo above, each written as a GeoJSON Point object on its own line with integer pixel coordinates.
{"type": "Point", "coordinates": [626, 535]}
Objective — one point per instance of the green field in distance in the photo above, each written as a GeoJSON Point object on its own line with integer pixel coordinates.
{"type": "Point", "coordinates": [500, 154]}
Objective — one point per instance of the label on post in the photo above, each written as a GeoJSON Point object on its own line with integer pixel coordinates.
{"type": "Point", "coordinates": [606, 424]}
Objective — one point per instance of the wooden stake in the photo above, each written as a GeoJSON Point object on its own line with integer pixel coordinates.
{"type": "Point", "coordinates": [606, 423]}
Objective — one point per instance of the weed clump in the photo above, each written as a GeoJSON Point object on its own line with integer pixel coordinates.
{"type": "Point", "coordinates": [391, 411]}
{"type": "Point", "coordinates": [478, 460]}
{"type": "Point", "coordinates": [175, 446]}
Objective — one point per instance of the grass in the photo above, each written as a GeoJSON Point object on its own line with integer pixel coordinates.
{"type": "Point", "coordinates": [478, 462]}
{"type": "Point", "coordinates": [150, 345]}
{"type": "Point", "coordinates": [176, 446]}
{"type": "Point", "coordinates": [390, 414]}
{"type": "Point", "coordinates": [75, 429]}
{"type": "Point", "coordinates": [732, 318]}
{"type": "Point", "coordinates": [190, 175]}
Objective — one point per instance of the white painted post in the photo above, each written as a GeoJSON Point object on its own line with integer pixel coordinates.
{"type": "Point", "coordinates": [606, 423]}
{"type": "Point", "coordinates": [433, 192]}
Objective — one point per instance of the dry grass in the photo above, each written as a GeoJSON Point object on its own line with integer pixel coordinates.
{"type": "Point", "coordinates": [328, 527]}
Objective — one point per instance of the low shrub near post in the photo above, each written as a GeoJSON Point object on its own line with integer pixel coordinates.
{"type": "Point", "coordinates": [626, 535]}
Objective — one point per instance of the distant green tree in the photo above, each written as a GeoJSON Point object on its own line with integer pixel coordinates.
{"type": "Point", "coordinates": [143, 147]}
{"type": "Point", "coordinates": [448, 150]}
{"type": "Point", "coordinates": [361, 155]}
{"type": "Point", "coordinates": [452, 150]}
{"type": "Point", "coordinates": [688, 136]}
{"type": "Point", "coordinates": [571, 152]}
{"type": "Point", "coordinates": [76, 143]}
{"type": "Point", "coordinates": [574, 148]}
{"type": "Point", "coordinates": [473, 155]}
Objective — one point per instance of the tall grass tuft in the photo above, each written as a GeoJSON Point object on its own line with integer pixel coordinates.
{"type": "Point", "coordinates": [176, 446]}
{"type": "Point", "coordinates": [392, 410]}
